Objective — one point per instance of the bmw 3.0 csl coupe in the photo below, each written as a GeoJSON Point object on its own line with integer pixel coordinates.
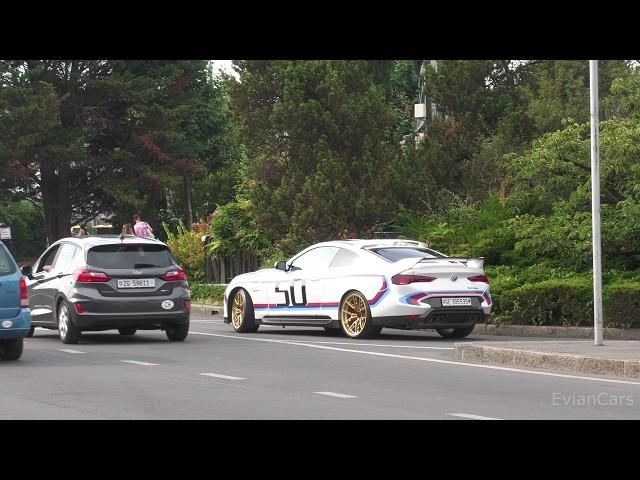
{"type": "Point", "coordinates": [360, 286]}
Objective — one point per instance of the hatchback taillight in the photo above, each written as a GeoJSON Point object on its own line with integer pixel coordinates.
{"type": "Point", "coordinates": [173, 275]}
{"type": "Point", "coordinates": [90, 276]}
{"type": "Point", "coordinates": [403, 279]}
{"type": "Point", "coordinates": [24, 294]}
{"type": "Point", "coordinates": [479, 278]}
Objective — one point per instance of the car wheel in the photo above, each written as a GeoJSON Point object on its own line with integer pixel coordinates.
{"type": "Point", "coordinates": [333, 332]}
{"type": "Point", "coordinates": [67, 330]}
{"type": "Point", "coordinates": [127, 331]}
{"type": "Point", "coordinates": [243, 316]}
{"type": "Point", "coordinates": [177, 333]}
{"type": "Point", "coordinates": [355, 317]}
{"type": "Point", "coordinates": [31, 332]}
{"type": "Point", "coordinates": [12, 348]}
{"type": "Point", "coordinates": [455, 332]}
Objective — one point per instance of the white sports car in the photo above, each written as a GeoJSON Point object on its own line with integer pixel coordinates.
{"type": "Point", "coordinates": [360, 286]}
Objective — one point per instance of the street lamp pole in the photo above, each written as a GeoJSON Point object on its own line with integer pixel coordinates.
{"type": "Point", "coordinates": [595, 203]}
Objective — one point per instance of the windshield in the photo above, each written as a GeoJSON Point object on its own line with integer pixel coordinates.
{"type": "Point", "coordinates": [130, 256]}
{"type": "Point", "coordinates": [394, 254]}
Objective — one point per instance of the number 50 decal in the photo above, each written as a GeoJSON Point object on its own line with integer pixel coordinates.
{"type": "Point", "coordinates": [293, 297]}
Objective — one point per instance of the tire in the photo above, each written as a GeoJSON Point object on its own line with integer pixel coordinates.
{"type": "Point", "coordinates": [333, 332]}
{"type": "Point", "coordinates": [355, 317]}
{"type": "Point", "coordinates": [31, 332]}
{"type": "Point", "coordinates": [243, 317]}
{"type": "Point", "coordinates": [12, 348]}
{"type": "Point", "coordinates": [455, 332]}
{"type": "Point", "coordinates": [177, 333]}
{"type": "Point", "coordinates": [127, 331]}
{"type": "Point", "coordinates": [67, 330]}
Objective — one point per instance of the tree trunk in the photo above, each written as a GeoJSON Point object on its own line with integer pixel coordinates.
{"type": "Point", "coordinates": [188, 215]}
{"type": "Point", "coordinates": [56, 203]}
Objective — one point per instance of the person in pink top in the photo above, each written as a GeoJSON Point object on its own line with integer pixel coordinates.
{"type": "Point", "coordinates": [141, 228]}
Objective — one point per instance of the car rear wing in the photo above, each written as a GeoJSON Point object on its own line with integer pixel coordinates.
{"type": "Point", "coordinates": [473, 262]}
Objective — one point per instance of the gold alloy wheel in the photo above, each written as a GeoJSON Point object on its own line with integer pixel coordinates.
{"type": "Point", "coordinates": [353, 314]}
{"type": "Point", "coordinates": [237, 310]}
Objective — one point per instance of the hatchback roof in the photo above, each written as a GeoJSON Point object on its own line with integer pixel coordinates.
{"type": "Point", "coordinates": [90, 241]}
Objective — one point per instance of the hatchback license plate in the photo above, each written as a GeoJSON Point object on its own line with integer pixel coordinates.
{"type": "Point", "coordinates": [456, 302]}
{"type": "Point", "coordinates": [137, 283]}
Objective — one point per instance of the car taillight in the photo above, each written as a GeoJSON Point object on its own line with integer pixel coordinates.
{"type": "Point", "coordinates": [173, 275]}
{"type": "Point", "coordinates": [79, 308]}
{"type": "Point", "coordinates": [479, 278]}
{"type": "Point", "coordinates": [187, 306]}
{"type": "Point", "coordinates": [403, 279]}
{"type": "Point", "coordinates": [90, 276]}
{"type": "Point", "coordinates": [24, 294]}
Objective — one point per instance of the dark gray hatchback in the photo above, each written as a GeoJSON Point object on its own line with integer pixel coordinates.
{"type": "Point", "coordinates": [106, 282]}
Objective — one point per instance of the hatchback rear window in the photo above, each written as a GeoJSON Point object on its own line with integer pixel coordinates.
{"type": "Point", "coordinates": [130, 256]}
{"type": "Point", "coordinates": [7, 265]}
{"type": "Point", "coordinates": [397, 253]}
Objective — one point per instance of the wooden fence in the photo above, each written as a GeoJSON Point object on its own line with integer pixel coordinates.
{"type": "Point", "coordinates": [223, 269]}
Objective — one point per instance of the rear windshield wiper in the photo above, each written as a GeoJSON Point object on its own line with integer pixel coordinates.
{"type": "Point", "coordinates": [145, 265]}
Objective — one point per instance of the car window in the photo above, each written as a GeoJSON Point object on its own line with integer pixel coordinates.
{"type": "Point", "coordinates": [316, 259]}
{"type": "Point", "coordinates": [121, 256]}
{"type": "Point", "coordinates": [7, 265]}
{"type": "Point", "coordinates": [65, 256]}
{"type": "Point", "coordinates": [46, 263]}
{"type": "Point", "coordinates": [398, 253]}
{"type": "Point", "coordinates": [344, 258]}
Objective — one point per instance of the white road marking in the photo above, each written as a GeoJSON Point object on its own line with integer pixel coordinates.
{"type": "Point", "coordinates": [70, 351]}
{"type": "Point", "coordinates": [333, 394]}
{"type": "Point", "coordinates": [135, 362]}
{"type": "Point", "coordinates": [373, 345]}
{"type": "Point", "coordinates": [473, 417]}
{"type": "Point", "coordinates": [424, 359]}
{"type": "Point", "coordinates": [217, 375]}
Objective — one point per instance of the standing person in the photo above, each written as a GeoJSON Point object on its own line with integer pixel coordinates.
{"type": "Point", "coordinates": [83, 230]}
{"type": "Point", "coordinates": [141, 228]}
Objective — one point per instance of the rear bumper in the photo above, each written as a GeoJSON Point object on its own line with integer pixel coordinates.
{"type": "Point", "coordinates": [434, 318]}
{"type": "Point", "coordinates": [140, 321]}
{"type": "Point", "coordinates": [19, 327]}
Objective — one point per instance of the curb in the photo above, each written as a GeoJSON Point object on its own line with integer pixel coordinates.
{"type": "Point", "coordinates": [471, 352]}
{"type": "Point", "coordinates": [208, 309]}
{"type": "Point", "coordinates": [554, 331]}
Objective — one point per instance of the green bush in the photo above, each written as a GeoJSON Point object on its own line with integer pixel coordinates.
{"type": "Point", "coordinates": [207, 291]}
{"type": "Point", "coordinates": [564, 301]}
{"type": "Point", "coordinates": [187, 248]}
{"type": "Point", "coordinates": [621, 304]}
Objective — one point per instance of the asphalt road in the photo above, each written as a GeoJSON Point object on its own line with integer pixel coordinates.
{"type": "Point", "coordinates": [292, 373]}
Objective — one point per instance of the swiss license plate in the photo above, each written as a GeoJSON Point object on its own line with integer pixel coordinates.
{"type": "Point", "coordinates": [456, 302]}
{"type": "Point", "coordinates": [137, 283]}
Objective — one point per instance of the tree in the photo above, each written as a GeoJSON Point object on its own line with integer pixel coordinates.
{"type": "Point", "coordinates": [317, 162]}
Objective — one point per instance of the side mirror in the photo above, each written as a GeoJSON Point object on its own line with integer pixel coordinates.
{"type": "Point", "coordinates": [26, 271]}
{"type": "Point", "coordinates": [281, 265]}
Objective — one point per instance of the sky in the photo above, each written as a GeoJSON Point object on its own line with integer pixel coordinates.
{"type": "Point", "coordinates": [223, 65]}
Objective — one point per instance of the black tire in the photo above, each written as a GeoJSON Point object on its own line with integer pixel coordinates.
{"type": "Point", "coordinates": [12, 348]}
{"type": "Point", "coordinates": [455, 332]}
{"type": "Point", "coordinates": [31, 332]}
{"type": "Point", "coordinates": [247, 322]}
{"type": "Point", "coordinates": [333, 332]}
{"type": "Point", "coordinates": [177, 333]}
{"type": "Point", "coordinates": [67, 330]}
{"type": "Point", "coordinates": [368, 330]}
{"type": "Point", "coordinates": [127, 331]}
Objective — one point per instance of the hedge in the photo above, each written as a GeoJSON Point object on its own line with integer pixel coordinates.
{"type": "Point", "coordinates": [208, 291]}
{"type": "Point", "coordinates": [621, 304]}
{"type": "Point", "coordinates": [569, 302]}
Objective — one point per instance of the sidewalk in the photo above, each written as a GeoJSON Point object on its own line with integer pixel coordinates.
{"type": "Point", "coordinates": [616, 357]}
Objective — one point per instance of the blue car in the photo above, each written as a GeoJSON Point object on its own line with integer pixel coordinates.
{"type": "Point", "coordinates": [15, 317]}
